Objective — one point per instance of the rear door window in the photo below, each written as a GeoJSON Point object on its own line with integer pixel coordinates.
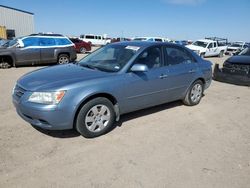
{"type": "Point", "coordinates": [47, 42]}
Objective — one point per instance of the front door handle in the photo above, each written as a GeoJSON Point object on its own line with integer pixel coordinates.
{"type": "Point", "coordinates": [163, 76]}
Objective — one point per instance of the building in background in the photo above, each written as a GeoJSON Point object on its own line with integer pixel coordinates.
{"type": "Point", "coordinates": [16, 22]}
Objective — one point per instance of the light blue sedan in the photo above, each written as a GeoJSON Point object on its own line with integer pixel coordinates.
{"type": "Point", "coordinates": [90, 95]}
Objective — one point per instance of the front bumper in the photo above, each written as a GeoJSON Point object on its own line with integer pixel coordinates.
{"type": "Point", "coordinates": [44, 116]}
{"type": "Point", "coordinates": [231, 76]}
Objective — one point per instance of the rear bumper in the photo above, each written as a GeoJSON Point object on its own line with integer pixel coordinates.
{"type": "Point", "coordinates": [231, 77]}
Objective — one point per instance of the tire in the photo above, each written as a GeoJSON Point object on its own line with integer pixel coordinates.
{"type": "Point", "coordinates": [82, 50]}
{"type": "Point", "coordinates": [95, 118]}
{"type": "Point", "coordinates": [194, 94]}
{"type": "Point", "coordinates": [202, 55]}
{"type": "Point", "coordinates": [63, 59]}
{"type": "Point", "coordinates": [221, 53]}
{"type": "Point", "coordinates": [5, 65]}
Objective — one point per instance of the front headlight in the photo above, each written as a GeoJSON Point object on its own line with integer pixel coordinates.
{"type": "Point", "coordinates": [46, 97]}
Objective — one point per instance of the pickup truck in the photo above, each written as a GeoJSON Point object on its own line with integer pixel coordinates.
{"type": "Point", "coordinates": [208, 48]}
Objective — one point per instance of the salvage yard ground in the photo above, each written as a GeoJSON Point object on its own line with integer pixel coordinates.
{"type": "Point", "coordinates": [171, 145]}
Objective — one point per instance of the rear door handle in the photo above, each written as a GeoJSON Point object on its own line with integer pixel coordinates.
{"type": "Point", "coordinates": [192, 71]}
{"type": "Point", "coordinates": [163, 76]}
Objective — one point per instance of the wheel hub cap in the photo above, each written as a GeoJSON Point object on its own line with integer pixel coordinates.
{"type": "Point", "coordinates": [196, 92]}
{"type": "Point", "coordinates": [97, 118]}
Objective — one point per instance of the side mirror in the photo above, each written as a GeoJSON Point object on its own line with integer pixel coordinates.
{"type": "Point", "coordinates": [19, 45]}
{"type": "Point", "coordinates": [139, 68]}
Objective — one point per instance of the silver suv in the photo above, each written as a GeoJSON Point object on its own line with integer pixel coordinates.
{"type": "Point", "coordinates": [37, 49]}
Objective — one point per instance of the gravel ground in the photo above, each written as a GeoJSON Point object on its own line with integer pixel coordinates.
{"type": "Point", "coordinates": [171, 145]}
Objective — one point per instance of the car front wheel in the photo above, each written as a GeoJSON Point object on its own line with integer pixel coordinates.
{"type": "Point", "coordinates": [194, 93]}
{"type": "Point", "coordinates": [95, 118]}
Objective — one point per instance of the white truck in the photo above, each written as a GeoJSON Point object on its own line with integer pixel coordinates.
{"type": "Point", "coordinates": [96, 40]}
{"type": "Point", "coordinates": [207, 47]}
{"type": "Point", "coordinates": [152, 39]}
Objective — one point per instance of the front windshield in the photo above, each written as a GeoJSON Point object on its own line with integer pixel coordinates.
{"type": "Point", "coordinates": [111, 58]}
{"type": "Point", "coordinates": [246, 52]}
{"type": "Point", "coordinates": [10, 43]}
{"type": "Point", "coordinates": [200, 43]}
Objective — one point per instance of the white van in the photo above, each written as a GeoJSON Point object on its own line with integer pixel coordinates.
{"type": "Point", "coordinates": [96, 40]}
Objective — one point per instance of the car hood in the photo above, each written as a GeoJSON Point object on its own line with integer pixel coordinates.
{"type": "Point", "coordinates": [195, 48]}
{"type": "Point", "coordinates": [58, 76]}
{"type": "Point", "coordinates": [239, 59]}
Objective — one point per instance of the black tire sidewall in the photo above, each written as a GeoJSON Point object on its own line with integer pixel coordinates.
{"type": "Point", "coordinates": [80, 120]}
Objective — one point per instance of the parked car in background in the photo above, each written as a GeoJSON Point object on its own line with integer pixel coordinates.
{"type": "Point", "coordinates": [81, 46]}
{"type": "Point", "coordinates": [151, 39]}
{"type": "Point", "coordinates": [116, 79]}
{"type": "Point", "coordinates": [237, 47]}
{"type": "Point", "coordinates": [235, 70]}
{"type": "Point", "coordinates": [37, 49]}
{"type": "Point", "coordinates": [208, 47]}
{"type": "Point", "coordinates": [120, 39]}
{"type": "Point", "coordinates": [182, 42]}
{"type": "Point", "coordinates": [96, 40]}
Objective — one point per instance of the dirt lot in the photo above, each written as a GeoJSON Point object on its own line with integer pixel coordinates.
{"type": "Point", "coordinates": [169, 146]}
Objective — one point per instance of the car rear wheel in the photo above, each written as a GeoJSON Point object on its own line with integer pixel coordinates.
{"type": "Point", "coordinates": [221, 54]}
{"type": "Point", "coordinates": [95, 118]}
{"type": "Point", "coordinates": [82, 50]}
{"type": "Point", "coordinates": [202, 55]}
{"type": "Point", "coordinates": [63, 59]}
{"type": "Point", "coordinates": [194, 93]}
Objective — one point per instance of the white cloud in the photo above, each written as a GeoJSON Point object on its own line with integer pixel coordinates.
{"type": "Point", "coordinates": [185, 2]}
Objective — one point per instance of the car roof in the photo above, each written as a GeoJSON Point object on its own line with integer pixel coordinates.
{"type": "Point", "coordinates": [47, 34]}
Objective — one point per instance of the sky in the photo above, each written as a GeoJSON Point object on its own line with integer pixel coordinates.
{"type": "Point", "coordinates": [175, 19]}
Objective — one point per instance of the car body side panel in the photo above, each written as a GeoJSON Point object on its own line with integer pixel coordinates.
{"type": "Point", "coordinates": [27, 56]}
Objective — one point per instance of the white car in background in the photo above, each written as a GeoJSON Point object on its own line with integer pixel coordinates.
{"type": "Point", "coordinates": [236, 47]}
{"type": "Point", "coordinates": [154, 39]}
{"type": "Point", "coordinates": [96, 40]}
{"type": "Point", "coordinates": [208, 48]}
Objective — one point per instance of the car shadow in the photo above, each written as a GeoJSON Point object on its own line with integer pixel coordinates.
{"type": "Point", "coordinates": [126, 117]}
{"type": "Point", "coordinates": [145, 112]}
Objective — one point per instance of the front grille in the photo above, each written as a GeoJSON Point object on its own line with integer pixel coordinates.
{"type": "Point", "coordinates": [19, 91]}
